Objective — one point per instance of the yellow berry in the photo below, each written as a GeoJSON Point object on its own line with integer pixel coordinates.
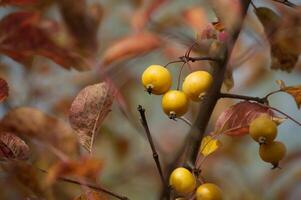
{"type": "Point", "coordinates": [273, 152]}
{"type": "Point", "coordinates": [182, 181]}
{"type": "Point", "coordinates": [208, 191]}
{"type": "Point", "coordinates": [175, 103]}
{"type": "Point", "coordinates": [263, 130]}
{"type": "Point", "coordinates": [196, 84]}
{"type": "Point", "coordinates": [156, 79]}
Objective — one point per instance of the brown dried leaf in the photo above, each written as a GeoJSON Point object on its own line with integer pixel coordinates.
{"type": "Point", "coordinates": [89, 109]}
{"type": "Point", "coordinates": [12, 147]}
{"type": "Point", "coordinates": [295, 91]}
{"type": "Point", "coordinates": [18, 2]}
{"type": "Point", "coordinates": [31, 123]}
{"type": "Point", "coordinates": [284, 57]}
{"type": "Point", "coordinates": [131, 46]}
{"type": "Point", "coordinates": [91, 195]}
{"type": "Point", "coordinates": [3, 89]}
{"type": "Point", "coordinates": [235, 120]}
{"type": "Point", "coordinates": [25, 174]}
{"type": "Point", "coordinates": [21, 38]}
{"type": "Point", "coordinates": [82, 168]}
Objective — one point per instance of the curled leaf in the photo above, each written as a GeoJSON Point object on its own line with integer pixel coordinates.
{"type": "Point", "coordinates": [12, 147]}
{"type": "Point", "coordinates": [83, 168]}
{"type": "Point", "coordinates": [235, 120]}
{"type": "Point", "coordinates": [89, 109]}
{"type": "Point", "coordinates": [3, 89]}
{"type": "Point", "coordinates": [131, 46]}
{"type": "Point", "coordinates": [209, 145]}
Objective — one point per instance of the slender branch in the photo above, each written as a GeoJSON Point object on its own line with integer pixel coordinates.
{"type": "Point", "coordinates": [92, 186]}
{"type": "Point", "coordinates": [286, 2]}
{"type": "Point", "coordinates": [210, 99]}
{"type": "Point", "coordinates": [249, 98]}
{"type": "Point", "coordinates": [283, 113]}
{"type": "Point", "coordinates": [143, 120]}
{"type": "Point", "coordinates": [185, 120]}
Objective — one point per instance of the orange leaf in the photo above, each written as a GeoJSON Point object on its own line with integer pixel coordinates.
{"type": "Point", "coordinates": [3, 89]}
{"type": "Point", "coordinates": [91, 195]}
{"type": "Point", "coordinates": [295, 91]}
{"type": "Point", "coordinates": [235, 120]}
{"type": "Point", "coordinates": [196, 18]}
{"type": "Point", "coordinates": [83, 168]}
{"type": "Point", "coordinates": [131, 46]}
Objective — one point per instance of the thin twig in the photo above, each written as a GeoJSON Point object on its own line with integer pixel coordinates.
{"type": "Point", "coordinates": [143, 120]}
{"type": "Point", "coordinates": [249, 98]}
{"type": "Point", "coordinates": [286, 2]}
{"type": "Point", "coordinates": [185, 120]}
{"type": "Point", "coordinates": [179, 76]}
{"type": "Point", "coordinates": [172, 62]}
{"type": "Point", "coordinates": [92, 186]}
{"type": "Point", "coordinates": [283, 113]}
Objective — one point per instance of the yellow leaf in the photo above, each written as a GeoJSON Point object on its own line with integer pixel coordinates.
{"type": "Point", "coordinates": [209, 145]}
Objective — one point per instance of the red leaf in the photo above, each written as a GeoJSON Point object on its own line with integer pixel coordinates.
{"type": "Point", "coordinates": [235, 120]}
{"type": "Point", "coordinates": [131, 46]}
{"type": "Point", "coordinates": [17, 2]}
{"type": "Point", "coordinates": [22, 38]}
{"type": "Point", "coordinates": [3, 89]}
{"type": "Point", "coordinates": [12, 147]}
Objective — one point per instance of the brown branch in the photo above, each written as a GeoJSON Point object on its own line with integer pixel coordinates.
{"type": "Point", "coordinates": [92, 186]}
{"type": "Point", "coordinates": [210, 99]}
{"type": "Point", "coordinates": [286, 2]}
{"type": "Point", "coordinates": [248, 98]}
{"type": "Point", "coordinates": [143, 120]}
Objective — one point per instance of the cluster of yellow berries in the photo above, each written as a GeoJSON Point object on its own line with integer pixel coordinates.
{"type": "Point", "coordinates": [264, 131]}
{"type": "Point", "coordinates": [184, 183]}
{"type": "Point", "coordinates": [157, 80]}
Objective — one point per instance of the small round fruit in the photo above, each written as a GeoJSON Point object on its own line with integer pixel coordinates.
{"type": "Point", "coordinates": [182, 181]}
{"type": "Point", "coordinates": [263, 130]}
{"type": "Point", "coordinates": [196, 84]}
{"type": "Point", "coordinates": [175, 103]}
{"type": "Point", "coordinates": [208, 191]}
{"type": "Point", "coordinates": [156, 79]}
{"type": "Point", "coordinates": [272, 153]}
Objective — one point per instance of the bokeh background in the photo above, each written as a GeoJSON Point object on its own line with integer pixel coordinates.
{"type": "Point", "coordinates": [121, 144]}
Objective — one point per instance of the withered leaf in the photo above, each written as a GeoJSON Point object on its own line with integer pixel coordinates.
{"type": "Point", "coordinates": [236, 119]}
{"type": "Point", "coordinates": [32, 123]}
{"type": "Point", "coordinates": [3, 89]}
{"type": "Point", "coordinates": [91, 195]}
{"type": "Point", "coordinates": [26, 174]}
{"type": "Point", "coordinates": [17, 2]}
{"type": "Point", "coordinates": [89, 109]}
{"type": "Point", "coordinates": [83, 168]}
{"type": "Point", "coordinates": [12, 147]}
{"type": "Point", "coordinates": [22, 38]}
{"type": "Point", "coordinates": [283, 57]}
{"type": "Point", "coordinates": [131, 46]}
{"type": "Point", "coordinates": [295, 91]}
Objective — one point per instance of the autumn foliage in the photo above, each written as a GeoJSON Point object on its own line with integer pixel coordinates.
{"type": "Point", "coordinates": [72, 75]}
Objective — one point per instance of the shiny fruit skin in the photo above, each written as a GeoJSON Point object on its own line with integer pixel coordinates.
{"type": "Point", "coordinates": [263, 130]}
{"type": "Point", "coordinates": [182, 181]}
{"type": "Point", "coordinates": [175, 103]}
{"type": "Point", "coordinates": [196, 84]}
{"type": "Point", "coordinates": [272, 152]}
{"type": "Point", "coordinates": [208, 191]}
{"type": "Point", "coordinates": [156, 79]}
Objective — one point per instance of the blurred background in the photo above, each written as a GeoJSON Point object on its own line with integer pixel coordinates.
{"type": "Point", "coordinates": [90, 29]}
